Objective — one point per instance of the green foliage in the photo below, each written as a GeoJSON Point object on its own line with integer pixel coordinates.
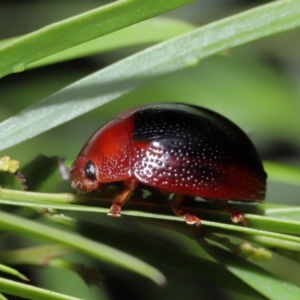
{"type": "Point", "coordinates": [237, 82]}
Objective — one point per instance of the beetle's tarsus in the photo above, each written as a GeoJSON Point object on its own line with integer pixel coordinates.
{"type": "Point", "coordinates": [176, 206]}
{"type": "Point", "coordinates": [236, 216]}
{"type": "Point", "coordinates": [115, 210]}
{"type": "Point", "coordinates": [192, 220]}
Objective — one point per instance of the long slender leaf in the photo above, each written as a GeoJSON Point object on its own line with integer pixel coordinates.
{"type": "Point", "coordinates": [122, 77]}
{"type": "Point", "coordinates": [2, 297]}
{"type": "Point", "coordinates": [15, 56]}
{"type": "Point", "coordinates": [150, 31]}
{"type": "Point", "coordinates": [16, 224]}
{"type": "Point", "coordinates": [30, 292]}
{"type": "Point", "coordinates": [13, 272]}
{"type": "Point", "coordinates": [262, 281]}
{"type": "Point", "coordinates": [257, 225]}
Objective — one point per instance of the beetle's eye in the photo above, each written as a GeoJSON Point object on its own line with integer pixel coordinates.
{"type": "Point", "coordinates": [90, 170]}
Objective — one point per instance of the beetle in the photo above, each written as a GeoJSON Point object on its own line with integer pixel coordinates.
{"type": "Point", "coordinates": [176, 148]}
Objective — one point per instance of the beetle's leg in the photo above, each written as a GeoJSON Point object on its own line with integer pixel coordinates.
{"type": "Point", "coordinates": [176, 206]}
{"type": "Point", "coordinates": [115, 209]}
{"type": "Point", "coordinates": [236, 216]}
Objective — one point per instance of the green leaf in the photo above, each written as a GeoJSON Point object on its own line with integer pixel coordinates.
{"type": "Point", "coordinates": [257, 225]}
{"type": "Point", "coordinates": [22, 226]}
{"type": "Point", "coordinates": [164, 252]}
{"type": "Point", "coordinates": [37, 255]}
{"type": "Point", "coordinates": [15, 56]}
{"type": "Point", "coordinates": [3, 297]}
{"type": "Point", "coordinates": [30, 292]}
{"type": "Point", "coordinates": [12, 272]}
{"type": "Point", "coordinates": [134, 71]}
{"type": "Point", "coordinates": [149, 31]}
{"type": "Point", "coordinates": [262, 281]}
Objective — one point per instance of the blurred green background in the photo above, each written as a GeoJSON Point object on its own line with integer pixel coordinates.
{"type": "Point", "coordinates": [256, 85]}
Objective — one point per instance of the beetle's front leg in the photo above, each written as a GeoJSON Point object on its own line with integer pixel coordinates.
{"type": "Point", "coordinates": [120, 199]}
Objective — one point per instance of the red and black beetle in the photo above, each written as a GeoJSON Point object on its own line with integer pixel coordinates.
{"type": "Point", "coordinates": [176, 148]}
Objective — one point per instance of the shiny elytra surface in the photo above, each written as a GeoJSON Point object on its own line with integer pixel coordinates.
{"type": "Point", "coordinates": [177, 148]}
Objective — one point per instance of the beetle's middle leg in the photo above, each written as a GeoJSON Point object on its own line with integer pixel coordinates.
{"type": "Point", "coordinates": [176, 206]}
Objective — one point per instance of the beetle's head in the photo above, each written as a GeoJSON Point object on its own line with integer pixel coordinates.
{"type": "Point", "coordinates": [84, 175]}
